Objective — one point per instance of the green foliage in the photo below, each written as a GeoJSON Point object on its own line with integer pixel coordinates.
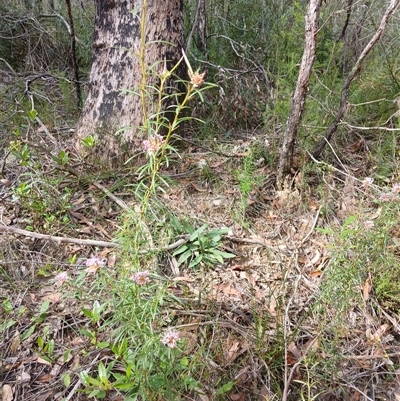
{"type": "Point", "coordinates": [248, 179]}
{"type": "Point", "coordinates": [148, 354]}
{"type": "Point", "coordinates": [202, 248]}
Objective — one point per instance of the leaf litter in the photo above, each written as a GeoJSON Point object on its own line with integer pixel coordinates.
{"type": "Point", "coordinates": [262, 298]}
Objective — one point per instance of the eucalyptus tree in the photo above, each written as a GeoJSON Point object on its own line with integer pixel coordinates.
{"type": "Point", "coordinates": [134, 40]}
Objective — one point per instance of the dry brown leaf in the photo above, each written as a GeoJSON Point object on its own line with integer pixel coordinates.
{"type": "Point", "coordinates": [292, 348]}
{"type": "Point", "coordinates": [238, 397]}
{"type": "Point", "coordinates": [44, 396]}
{"type": "Point", "coordinates": [75, 362]}
{"type": "Point", "coordinates": [7, 393]}
{"type": "Point", "coordinates": [221, 290]}
{"type": "Point", "coordinates": [111, 260]}
{"type": "Point", "coordinates": [84, 230]}
{"type": "Point", "coordinates": [42, 361]}
{"type": "Point", "coordinates": [23, 377]}
{"type": "Point", "coordinates": [316, 258]}
{"type": "Point", "coordinates": [248, 277]}
{"type": "Point", "coordinates": [15, 344]}
{"type": "Point", "coordinates": [367, 289]}
{"type": "Point", "coordinates": [312, 344]}
{"type": "Point", "coordinates": [44, 378]}
{"type": "Point", "coordinates": [53, 298]}
{"type": "Point", "coordinates": [379, 352]}
{"type": "Point", "coordinates": [77, 341]}
{"type": "Point", "coordinates": [377, 336]}
{"type": "Point", "coordinates": [272, 306]}
{"type": "Point", "coordinates": [396, 393]}
{"type": "Point", "coordinates": [259, 294]}
{"type": "Point", "coordinates": [79, 201]}
{"type": "Point", "coordinates": [231, 353]}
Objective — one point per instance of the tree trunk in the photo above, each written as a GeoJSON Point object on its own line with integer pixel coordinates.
{"type": "Point", "coordinates": [117, 67]}
{"type": "Point", "coordinates": [300, 94]}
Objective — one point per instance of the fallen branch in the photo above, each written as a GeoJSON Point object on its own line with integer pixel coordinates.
{"type": "Point", "coordinates": [89, 242]}
{"type": "Point", "coordinates": [105, 244]}
{"type": "Point", "coordinates": [60, 240]}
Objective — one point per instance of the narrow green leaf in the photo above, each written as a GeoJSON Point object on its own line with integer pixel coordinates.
{"type": "Point", "coordinates": [66, 380]}
{"type": "Point", "coordinates": [28, 332]}
{"type": "Point", "coordinates": [225, 388]}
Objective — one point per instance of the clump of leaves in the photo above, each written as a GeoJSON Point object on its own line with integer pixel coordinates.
{"type": "Point", "coordinates": [202, 247]}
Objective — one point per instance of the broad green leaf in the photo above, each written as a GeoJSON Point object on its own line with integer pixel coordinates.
{"type": "Point", "coordinates": [349, 220]}
{"type": "Point", "coordinates": [227, 255]}
{"type": "Point", "coordinates": [32, 114]}
{"type": "Point", "coordinates": [6, 325]}
{"type": "Point", "coordinates": [7, 305]}
{"type": "Point", "coordinates": [184, 362]}
{"type": "Point", "coordinates": [102, 373]}
{"type": "Point", "coordinates": [66, 378]}
{"type": "Point", "coordinates": [181, 249]}
{"type": "Point", "coordinates": [196, 261]}
{"type": "Point", "coordinates": [184, 257]}
{"type": "Point", "coordinates": [225, 388]}
{"type": "Point", "coordinates": [45, 306]}
{"type": "Point", "coordinates": [50, 347]}
{"type": "Point", "coordinates": [197, 233]}
{"type": "Point", "coordinates": [87, 333]}
{"type": "Point", "coordinates": [87, 313]}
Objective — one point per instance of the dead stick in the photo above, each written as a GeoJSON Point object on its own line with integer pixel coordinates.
{"type": "Point", "coordinates": [89, 242]}
{"type": "Point", "coordinates": [78, 241]}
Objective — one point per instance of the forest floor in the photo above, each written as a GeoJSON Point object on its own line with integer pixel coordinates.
{"type": "Point", "coordinates": [273, 322]}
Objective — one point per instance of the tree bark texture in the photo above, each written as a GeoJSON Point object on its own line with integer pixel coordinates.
{"type": "Point", "coordinates": [354, 73]}
{"type": "Point", "coordinates": [300, 94]}
{"type": "Point", "coordinates": [116, 67]}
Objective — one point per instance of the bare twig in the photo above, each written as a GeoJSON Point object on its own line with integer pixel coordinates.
{"type": "Point", "coordinates": [312, 227]}
{"type": "Point", "coordinates": [253, 241]}
{"type": "Point", "coordinates": [371, 128]}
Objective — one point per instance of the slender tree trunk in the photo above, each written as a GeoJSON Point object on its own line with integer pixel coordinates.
{"type": "Point", "coordinates": [354, 73]}
{"type": "Point", "coordinates": [300, 94]}
{"type": "Point", "coordinates": [74, 60]}
{"type": "Point", "coordinates": [117, 67]}
{"type": "Point", "coordinates": [200, 24]}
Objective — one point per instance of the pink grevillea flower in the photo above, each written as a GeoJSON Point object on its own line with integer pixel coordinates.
{"type": "Point", "coordinates": [386, 197]}
{"type": "Point", "coordinates": [170, 338]}
{"type": "Point", "coordinates": [153, 144]}
{"type": "Point", "coordinates": [396, 188]}
{"type": "Point", "coordinates": [93, 264]}
{"type": "Point", "coordinates": [141, 278]}
{"type": "Point", "coordinates": [369, 224]}
{"type": "Point", "coordinates": [61, 278]}
{"type": "Point", "coordinates": [367, 182]}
